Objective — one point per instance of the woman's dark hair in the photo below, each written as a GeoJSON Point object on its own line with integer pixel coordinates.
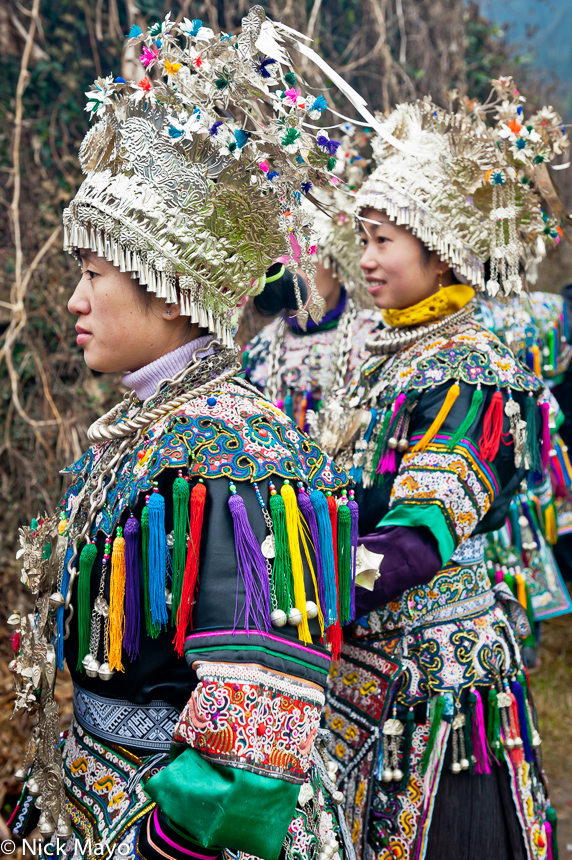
{"type": "Point", "coordinates": [278, 293]}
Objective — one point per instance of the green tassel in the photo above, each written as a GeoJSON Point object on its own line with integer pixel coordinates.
{"type": "Point", "coordinates": [152, 629]}
{"type": "Point", "coordinates": [529, 640]}
{"type": "Point", "coordinates": [552, 819]}
{"type": "Point", "coordinates": [463, 429]}
{"type": "Point", "coordinates": [181, 526]}
{"type": "Point", "coordinates": [86, 562]}
{"type": "Point", "coordinates": [407, 744]}
{"type": "Point", "coordinates": [345, 563]}
{"type": "Point", "coordinates": [282, 579]}
{"type": "Point", "coordinates": [532, 448]}
{"type": "Point", "coordinates": [510, 581]}
{"type": "Point", "coordinates": [493, 722]}
{"type": "Point", "coordinates": [435, 723]}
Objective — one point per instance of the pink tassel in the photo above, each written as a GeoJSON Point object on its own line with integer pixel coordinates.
{"type": "Point", "coordinates": [499, 576]}
{"type": "Point", "coordinates": [548, 831]}
{"type": "Point", "coordinates": [546, 443]}
{"type": "Point", "coordinates": [480, 751]}
{"type": "Point", "coordinates": [388, 462]}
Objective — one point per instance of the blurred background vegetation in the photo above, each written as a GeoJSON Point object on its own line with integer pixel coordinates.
{"type": "Point", "coordinates": [51, 50]}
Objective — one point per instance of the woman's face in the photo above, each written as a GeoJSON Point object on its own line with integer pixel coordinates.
{"type": "Point", "coordinates": [395, 266]}
{"type": "Point", "coordinates": [115, 328]}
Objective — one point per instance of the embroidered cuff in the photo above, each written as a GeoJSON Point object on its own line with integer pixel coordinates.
{"type": "Point", "coordinates": [253, 719]}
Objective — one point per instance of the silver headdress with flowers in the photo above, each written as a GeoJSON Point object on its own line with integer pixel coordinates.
{"type": "Point", "coordinates": [194, 179]}
{"type": "Point", "coordinates": [481, 190]}
{"type": "Point", "coordinates": [333, 210]}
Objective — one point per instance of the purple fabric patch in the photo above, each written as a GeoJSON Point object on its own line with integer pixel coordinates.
{"type": "Point", "coordinates": [410, 557]}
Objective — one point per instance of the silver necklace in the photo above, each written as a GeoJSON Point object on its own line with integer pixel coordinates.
{"type": "Point", "coordinates": [391, 339]}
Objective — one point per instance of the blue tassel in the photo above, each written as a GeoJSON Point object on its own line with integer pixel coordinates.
{"type": "Point", "coordinates": [60, 615]}
{"type": "Point", "coordinates": [320, 506]}
{"type": "Point", "coordinates": [519, 696]}
{"type": "Point", "coordinates": [157, 558]}
{"type": "Point", "coordinates": [289, 405]}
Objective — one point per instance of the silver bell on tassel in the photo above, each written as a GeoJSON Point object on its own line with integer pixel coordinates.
{"type": "Point", "coordinates": [57, 600]}
{"type": "Point", "coordinates": [278, 618]}
{"type": "Point", "coordinates": [294, 617]}
{"type": "Point", "coordinates": [105, 672]}
{"type": "Point", "coordinates": [46, 825]}
{"type": "Point", "coordinates": [311, 609]}
{"type": "Point", "coordinates": [33, 787]}
{"type": "Point", "coordinates": [64, 828]}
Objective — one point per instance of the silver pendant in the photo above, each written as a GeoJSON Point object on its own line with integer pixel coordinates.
{"type": "Point", "coordinates": [268, 547]}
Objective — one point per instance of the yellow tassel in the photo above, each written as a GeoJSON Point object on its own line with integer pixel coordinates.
{"type": "Point", "coordinates": [439, 419]}
{"type": "Point", "coordinates": [550, 529]}
{"type": "Point", "coordinates": [116, 620]}
{"type": "Point", "coordinates": [293, 529]}
{"type": "Point", "coordinates": [536, 360]}
{"type": "Point", "coordinates": [521, 589]}
{"type": "Point", "coordinates": [307, 544]}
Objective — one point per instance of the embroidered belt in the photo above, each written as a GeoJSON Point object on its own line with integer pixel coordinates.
{"type": "Point", "coordinates": [146, 727]}
{"type": "Point", "coordinates": [463, 609]}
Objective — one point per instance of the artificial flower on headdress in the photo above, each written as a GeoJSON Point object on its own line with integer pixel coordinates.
{"type": "Point", "coordinates": [477, 188]}
{"type": "Point", "coordinates": [173, 190]}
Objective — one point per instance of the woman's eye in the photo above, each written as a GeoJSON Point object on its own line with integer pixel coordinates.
{"type": "Point", "coordinates": [381, 240]}
{"type": "Point", "coordinates": [90, 274]}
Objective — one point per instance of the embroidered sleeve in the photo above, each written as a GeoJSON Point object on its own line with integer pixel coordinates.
{"type": "Point", "coordinates": [456, 483]}
{"type": "Point", "coordinates": [243, 748]}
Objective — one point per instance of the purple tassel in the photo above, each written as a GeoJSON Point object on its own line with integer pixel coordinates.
{"type": "Point", "coordinates": [518, 692]}
{"type": "Point", "coordinates": [354, 509]}
{"type": "Point", "coordinates": [479, 736]}
{"type": "Point", "coordinates": [309, 515]}
{"type": "Point", "coordinates": [251, 569]}
{"type": "Point", "coordinates": [132, 588]}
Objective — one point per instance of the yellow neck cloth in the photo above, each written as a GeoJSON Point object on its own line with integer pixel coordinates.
{"type": "Point", "coordinates": [441, 304]}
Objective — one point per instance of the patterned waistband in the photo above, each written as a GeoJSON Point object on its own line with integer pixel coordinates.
{"type": "Point", "coordinates": [145, 727]}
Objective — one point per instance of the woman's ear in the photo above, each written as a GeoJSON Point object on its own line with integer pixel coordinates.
{"type": "Point", "coordinates": [171, 312]}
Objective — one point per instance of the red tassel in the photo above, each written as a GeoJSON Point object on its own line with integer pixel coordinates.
{"type": "Point", "coordinates": [492, 428]}
{"type": "Point", "coordinates": [516, 753]}
{"type": "Point", "coordinates": [191, 576]}
{"type": "Point", "coordinates": [334, 632]}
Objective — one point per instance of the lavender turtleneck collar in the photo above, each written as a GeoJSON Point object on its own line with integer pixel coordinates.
{"type": "Point", "coordinates": [145, 380]}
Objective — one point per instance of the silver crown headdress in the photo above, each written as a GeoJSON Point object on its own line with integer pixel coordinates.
{"type": "Point", "coordinates": [475, 189]}
{"type": "Point", "coordinates": [194, 179]}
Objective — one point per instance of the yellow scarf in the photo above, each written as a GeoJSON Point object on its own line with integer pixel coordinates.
{"type": "Point", "coordinates": [443, 303]}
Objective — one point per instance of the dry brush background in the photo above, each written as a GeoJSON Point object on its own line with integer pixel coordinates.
{"type": "Point", "coordinates": [51, 51]}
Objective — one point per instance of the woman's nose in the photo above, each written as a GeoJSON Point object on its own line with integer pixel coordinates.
{"type": "Point", "coordinates": [367, 260]}
{"type": "Point", "coordinates": [78, 304]}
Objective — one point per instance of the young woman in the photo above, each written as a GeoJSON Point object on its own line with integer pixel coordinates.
{"type": "Point", "coordinates": [296, 367]}
{"type": "Point", "coordinates": [184, 579]}
{"type": "Point", "coordinates": [434, 729]}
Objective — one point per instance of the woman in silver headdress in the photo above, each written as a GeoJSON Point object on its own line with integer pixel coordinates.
{"type": "Point", "coordinates": [435, 733]}
{"type": "Point", "coordinates": [172, 580]}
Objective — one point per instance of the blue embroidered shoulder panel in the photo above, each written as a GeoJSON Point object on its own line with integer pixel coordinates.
{"type": "Point", "coordinates": [472, 354]}
{"type": "Point", "coordinates": [232, 433]}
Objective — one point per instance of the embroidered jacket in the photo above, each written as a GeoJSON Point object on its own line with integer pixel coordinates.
{"type": "Point", "coordinates": [297, 367]}
{"type": "Point", "coordinates": [438, 435]}
{"type": "Point", "coordinates": [219, 524]}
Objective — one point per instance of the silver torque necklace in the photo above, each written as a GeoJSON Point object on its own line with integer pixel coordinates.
{"type": "Point", "coordinates": [391, 339]}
